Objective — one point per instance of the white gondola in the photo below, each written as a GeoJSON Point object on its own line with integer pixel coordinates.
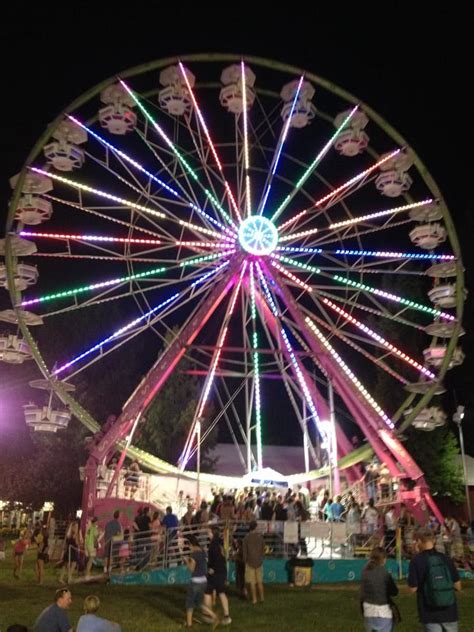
{"type": "Point", "coordinates": [434, 356]}
{"type": "Point", "coordinates": [118, 116]}
{"type": "Point", "coordinates": [443, 329]}
{"type": "Point", "coordinates": [443, 295]}
{"type": "Point", "coordinates": [428, 236]}
{"type": "Point", "coordinates": [353, 139]}
{"type": "Point", "coordinates": [432, 212]}
{"type": "Point", "coordinates": [19, 247]}
{"type": "Point", "coordinates": [14, 350]}
{"type": "Point", "coordinates": [175, 97]}
{"type": "Point", "coordinates": [428, 418]}
{"type": "Point", "coordinates": [33, 210]}
{"type": "Point", "coordinates": [303, 111]}
{"type": "Point", "coordinates": [394, 179]}
{"type": "Point", "coordinates": [231, 96]}
{"type": "Point", "coordinates": [24, 276]}
{"type": "Point", "coordinates": [45, 418]}
{"type": "Point", "coordinates": [34, 183]}
{"type": "Point", "coordinates": [443, 270]}
{"type": "Point", "coordinates": [10, 316]}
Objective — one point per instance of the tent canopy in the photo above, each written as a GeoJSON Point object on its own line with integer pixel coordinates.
{"type": "Point", "coordinates": [267, 476]}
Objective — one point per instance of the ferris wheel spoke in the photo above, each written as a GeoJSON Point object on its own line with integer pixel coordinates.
{"type": "Point", "coordinates": [278, 151]}
{"type": "Point", "coordinates": [191, 199]}
{"type": "Point", "coordinates": [248, 198]}
{"type": "Point", "coordinates": [124, 158]}
{"type": "Point", "coordinates": [313, 166]}
{"type": "Point", "coordinates": [178, 155]}
{"type": "Point", "coordinates": [347, 186]}
{"type": "Point", "coordinates": [147, 315]}
{"type": "Point", "coordinates": [202, 121]}
{"type": "Point", "coordinates": [380, 340]}
{"type": "Point", "coordinates": [194, 431]}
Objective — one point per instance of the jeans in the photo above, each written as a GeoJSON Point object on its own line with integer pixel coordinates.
{"type": "Point", "coordinates": [452, 626]}
{"type": "Point", "coordinates": [378, 624]}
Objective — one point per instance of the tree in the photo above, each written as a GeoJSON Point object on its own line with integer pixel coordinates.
{"type": "Point", "coordinates": [45, 469]}
{"type": "Point", "coordinates": [169, 417]}
{"type": "Point", "coordinates": [435, 452]}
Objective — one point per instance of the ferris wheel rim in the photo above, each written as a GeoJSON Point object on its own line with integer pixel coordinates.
{"type": "Point", "coordinates": [216, 57]}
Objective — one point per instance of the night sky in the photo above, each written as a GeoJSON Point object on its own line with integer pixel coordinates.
{"type": "Point", "coordinates": [413, 70]}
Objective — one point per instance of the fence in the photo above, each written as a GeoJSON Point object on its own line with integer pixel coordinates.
{"type": "Point", "coordinates": [283, 540]}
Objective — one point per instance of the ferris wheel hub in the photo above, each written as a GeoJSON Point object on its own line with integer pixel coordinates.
{"type": "Point", "coordinates": [258, 235]}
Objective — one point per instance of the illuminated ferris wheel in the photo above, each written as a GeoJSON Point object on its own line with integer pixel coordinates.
{"type": "Point", "coordinates": [272, 216]}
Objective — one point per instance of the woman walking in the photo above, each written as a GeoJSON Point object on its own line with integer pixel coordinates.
{"type": "Point", "coordinates": [377, 590]}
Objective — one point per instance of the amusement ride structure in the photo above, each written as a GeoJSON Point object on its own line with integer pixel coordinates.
{"type": "Point", "coordinates": [266, 218]}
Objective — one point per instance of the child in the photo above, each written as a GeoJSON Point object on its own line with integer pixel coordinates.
{"type": "Point", "coordinates": [197, 564]}
{"type": "Point", "coordinates": [19, 549]}
{"type": "Point", "coordinates": [124, 550]}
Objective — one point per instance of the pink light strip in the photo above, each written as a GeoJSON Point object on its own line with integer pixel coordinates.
{"type": "Point", "coordinates": [346, 185]}
{"type": "Point", "coordinates": [291, 276]}
{"type": "Point", "coordinates": [209, 140]}
{"type": "Point", "coordinates": [416, 365]}
{"type": "Point", "coordinates": [211, 375]}
{"type": "Point", "coordinates": [99, 238]}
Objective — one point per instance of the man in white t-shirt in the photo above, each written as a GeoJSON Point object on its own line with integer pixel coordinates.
{"type": "Point", "coordinates": [371, 517]}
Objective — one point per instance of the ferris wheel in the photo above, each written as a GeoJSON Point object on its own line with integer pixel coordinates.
{"type": "Point", "coordinates": [269, 215]}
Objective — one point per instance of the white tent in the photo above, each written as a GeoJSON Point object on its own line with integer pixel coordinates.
{"type": "Point", "coordinates": [266, 476]}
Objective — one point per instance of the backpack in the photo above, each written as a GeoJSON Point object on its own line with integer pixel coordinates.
{"type": "Point", "coordinates": [438, 586]}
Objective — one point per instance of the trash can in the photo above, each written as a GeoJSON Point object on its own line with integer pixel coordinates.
{"type": "Point", "coordinates": [300, 571]}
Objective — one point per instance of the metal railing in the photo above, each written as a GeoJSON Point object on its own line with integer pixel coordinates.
{"type": "Point", "coordinates": [283, 540]}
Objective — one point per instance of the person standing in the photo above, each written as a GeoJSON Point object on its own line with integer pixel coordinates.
{"type": "Point", "coordinates": [371, 517]}
{"type": "Point", "coordinates": [254, 553]}
{"type": "Point", "coordinates": [435, 580]}
{"type": "Point", "coordinates": [197, 564]}
{"type": "Point", "coordinates": [19, 549]}
{"type": "Point", "coordinates": [40, 538]}
{"type": "Point", "coordinates": [54, 618]}
{"type": "Point", "coordinates": [377, 590]}
{"type": "Point", "coordinates": [217, 575]}
{"type": "Point", "coordinates": [113, 531]}
{"type": "Point", "coordinates": [91, 543]}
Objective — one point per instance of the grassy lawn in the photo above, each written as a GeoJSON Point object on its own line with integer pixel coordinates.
{"type": "Point", "coordinates": [325, 608]}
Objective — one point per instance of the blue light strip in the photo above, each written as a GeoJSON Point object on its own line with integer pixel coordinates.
{"type": "Point", "coordinates": [138, 166]}
{"type": "Point", "coordinates": [282, 142]}
{"type": "Point", "coordinates": [368, 253]}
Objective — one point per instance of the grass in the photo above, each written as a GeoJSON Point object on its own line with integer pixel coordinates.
{"type": "Point", "coordinates": [323, 608]}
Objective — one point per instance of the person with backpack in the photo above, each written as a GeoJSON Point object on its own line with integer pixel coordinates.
{"type": "Point", "coordinates": [435, 580]}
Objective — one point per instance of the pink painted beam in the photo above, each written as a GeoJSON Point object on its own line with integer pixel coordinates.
{"type": "Point", "coordinates": [343, 443]}
{"type": "Point", "coordinates": [161, 370]}
{"type": "Point", "coordinates": [362, 413]}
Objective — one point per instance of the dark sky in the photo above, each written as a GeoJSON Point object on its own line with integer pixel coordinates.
{"type": "Point", "coordinates": [410, 67]}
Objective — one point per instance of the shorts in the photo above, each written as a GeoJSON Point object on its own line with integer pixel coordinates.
{"type": "Point", "coordinates": [217, 583]}
{"type": "Point", "coordinates": [195, 595]}
{"type": "Point", "coordinates": [253, 575]}
{"type": "Point", "coordinates": [91, 552]}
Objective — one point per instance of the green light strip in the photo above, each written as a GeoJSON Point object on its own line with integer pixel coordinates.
{"type": "Point", "coordinates": [183, 161]}
{"type": "Point", "coordinates": [94, 286]}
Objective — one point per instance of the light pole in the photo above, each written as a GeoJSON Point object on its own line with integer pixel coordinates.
{"type": "Point", "coordinates": [333, 441]}
{"type": "Point", "coordinates": [457, 418]}
{"type": "Point", "coordinates": [198, 442]}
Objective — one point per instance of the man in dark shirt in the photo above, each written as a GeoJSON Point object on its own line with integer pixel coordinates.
{"type": "Point", "coordinates": [217, 574]}
{"type": "Point", "coordinates": [434, 619]}
{"type": "Point", "coordinates": [143, 537]}
{"type": "Point", "coordinates": [54, 617]}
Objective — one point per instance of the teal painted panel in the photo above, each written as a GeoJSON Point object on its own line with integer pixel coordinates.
{"type": "Point", "coordinates": [274, 572]}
